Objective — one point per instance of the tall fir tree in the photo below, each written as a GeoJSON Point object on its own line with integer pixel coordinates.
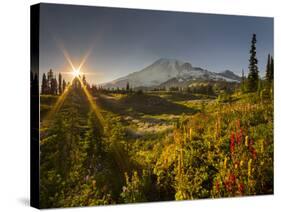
{"type": "Point", "coordinates": [60, 83]}
{"type": "Point", "coordinates": [50, 77]}
{"type": "Point", "coordinates": [253, 76]}
{"type": "Point", "coordinates": [272, 69]}
{"type": "Point", "coordinates": [44, 85]}
{"type": "Point", "coordinates": [84, 80]}
{"type": "Point", "coordinates": [54, 86]}
{"type": "Point", "coordinates": [268, 67]}
{"type": "Point", "coordinates": [63, 85]}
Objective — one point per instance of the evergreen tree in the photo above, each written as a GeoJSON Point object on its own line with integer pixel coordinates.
{"type": "Point", "coordinates": [60, 83]}
{"type": "Point", "coordinates": [44, 85]}
{"type": "Point", "coordinates": [84, 80]}
{"type": "Point", "coordinates": [50, 77]}
{"type": "Point", "coordinates": [54, 86]}
{"type": "Point", "coordinates": [253, 76]}
{"type": "Point", "coordinates": [271, 69]}
{"type": "Point", "coordinates": [127, 86]}
{"type": "Point", "coordinates": [63, 85]}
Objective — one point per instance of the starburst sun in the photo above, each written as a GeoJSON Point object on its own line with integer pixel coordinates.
{"type": "Point", "coordinates": [75, 72]}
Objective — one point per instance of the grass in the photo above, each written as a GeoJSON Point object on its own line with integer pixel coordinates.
{"type": "Point", "coordinates": [168, 145]}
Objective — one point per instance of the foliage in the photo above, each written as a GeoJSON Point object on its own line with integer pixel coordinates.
{"type": "Point", "coordinates": [224, 148]}
{"type": "Point", "coordinates": [253, 76]}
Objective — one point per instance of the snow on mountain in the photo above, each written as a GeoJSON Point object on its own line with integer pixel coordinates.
{"type": "Point", "coordinates": [165, 70]}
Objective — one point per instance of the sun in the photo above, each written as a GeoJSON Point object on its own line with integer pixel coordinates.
{"type": "Point", "coordinates": [75, 72]}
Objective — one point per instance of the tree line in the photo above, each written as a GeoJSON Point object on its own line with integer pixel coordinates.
{"type": "Point", "coordinates": [50, 84]}
{"type": "Point", "coordinates": [253, 82]}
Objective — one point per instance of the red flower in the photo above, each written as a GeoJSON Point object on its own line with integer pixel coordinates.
{"type": "Point", "coordinates": [239, 135]}
{"type": "Point", "coordinates": [232, 143]}
{"type": "Point", "coordinates": [241, 188]}
{"type": "Point", "coordinates": [232, 178]}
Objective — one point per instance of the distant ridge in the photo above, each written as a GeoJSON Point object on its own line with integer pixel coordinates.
{"type": "Point", "coordinates": [164, 70]}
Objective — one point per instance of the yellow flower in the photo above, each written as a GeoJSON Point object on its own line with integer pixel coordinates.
{"type": "Point", "coordinates": [241, 163]}
{"type": "Point", "coordinates": [246, 141]}
{"type": "Point", "coordinates": [225, 163]}
{"type": "Point", "coordinates": [249, 167]}
{"type": "Point", "coordinates": [190, 133]}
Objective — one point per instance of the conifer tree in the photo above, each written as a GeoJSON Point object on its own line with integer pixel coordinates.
{"type": "Point", "coordinates": [44, 86]}
{"type": "Point", "coordinates": [253, 76]}
{"type": "Point", "coordinates": [54, 86]}
{"type": "Point", "coordinates": [271, 69]}
{"type": "Point", "coordinates": [60, 83]}
{"type": "Point", "coordinates": [63, 85]}
{"type": "Point", "coordinates": [84, 80]}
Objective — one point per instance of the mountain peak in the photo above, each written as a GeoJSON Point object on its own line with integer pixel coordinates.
{"type": "Point", "coordinates": [165, 69]}
{"type": "Point", "coordinates": [168, 61]}
{"type": "Point", "coordinates": [229, 74]}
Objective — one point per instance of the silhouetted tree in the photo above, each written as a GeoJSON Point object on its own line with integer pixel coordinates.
{"type": "Point", "coordinates": [54, 86]}
{"type": "Point", "coordinates": [84, 80]}
{"type": "Point", "coordinates": [253, 77]}
{"type": "Point", "coordinates": [44, 85]}
{"type": "Point", "coordinates": [60, 83]}
{"type": "Point", "coordinates": [50, 77]}
{"type": "Point", "coordinates": [63, 85]}
{"type": "Point", "coordinates": [271, 68]}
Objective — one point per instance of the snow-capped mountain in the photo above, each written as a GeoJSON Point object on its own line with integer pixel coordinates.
{"type": "Point", "coordinates": [163, 71]}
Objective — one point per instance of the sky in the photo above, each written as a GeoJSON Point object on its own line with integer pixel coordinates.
{"type": "Point", "coordinates": [121, 41]}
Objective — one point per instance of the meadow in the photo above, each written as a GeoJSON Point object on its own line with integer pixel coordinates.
{"type": "Point", "coordinates": [107, 147]}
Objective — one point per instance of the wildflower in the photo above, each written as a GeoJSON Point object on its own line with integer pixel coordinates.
{"type": "Point", "coordinates": [249, 168]}
{"type": "Point", "coordinates": [232, 143]}
{"type": "Point", "coordinates": [225, 163]}
{"type": "Point", "coordinates": [246, 141]}
{"type": "Point", "coordinates": [190, 134]}
{"type": "Point", "coordinates": [232, 178]}
{"type": "Point", "coordinates": [239, 135]}
{"type": "Point", "coordinates": [241, 188]}
{"type": "Point", "coordinates": [241, 163]}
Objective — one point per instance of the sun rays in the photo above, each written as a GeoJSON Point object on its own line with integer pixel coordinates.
{"type": "Point", "coordinates": [76, 73]}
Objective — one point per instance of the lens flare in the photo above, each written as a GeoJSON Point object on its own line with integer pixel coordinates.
{"type": "Point", "coordinates": [75, 72]}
